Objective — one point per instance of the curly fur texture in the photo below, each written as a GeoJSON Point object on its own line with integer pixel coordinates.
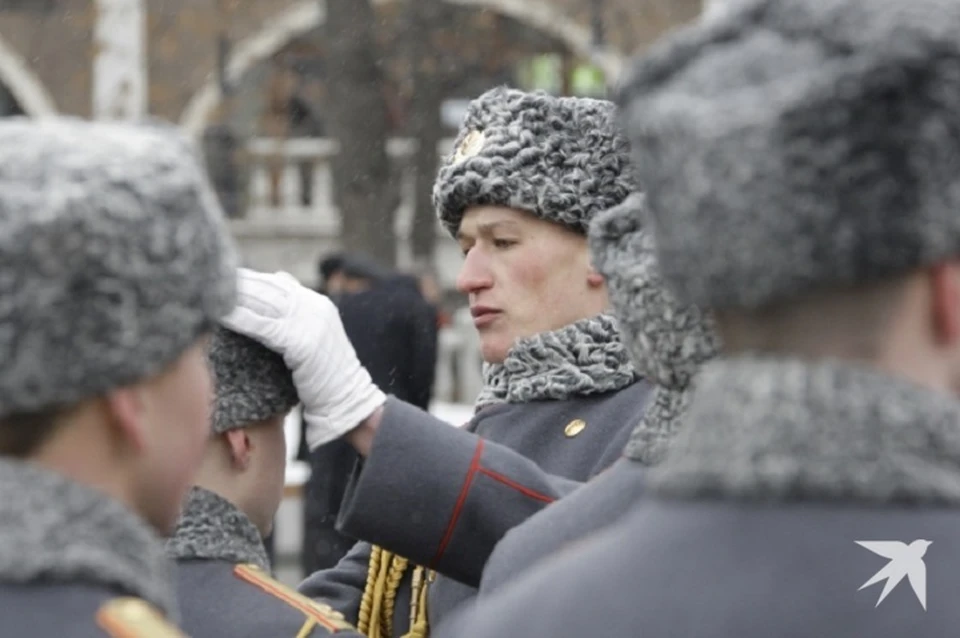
{"type": "Point", "coordinates": [251, 382]}
{"type": "Point", "coordinates": [562, 159]}
{"type": "Point", "coordinates": [581, 359]}
{"type": "Point", "coordinates": [114, 257]}
{"type": "Point", "coordinates": [663, 418]}
{"type": "Point", "coordinates": [54, 530]}
{"type": "Point", "coordinates": [668, 341]}
{"type": "Point", "coordinates": [213, 528]}
{"type": "Point", "coordinates": [779, 430]}
{"type": "Point", "coordinates": [788, 145]}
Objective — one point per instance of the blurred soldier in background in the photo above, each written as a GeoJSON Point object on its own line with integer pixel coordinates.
{"type": "Point", "coordinates": [329, 270]}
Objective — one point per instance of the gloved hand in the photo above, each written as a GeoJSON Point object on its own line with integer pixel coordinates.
{"type": "Point", "coordinates": [304, 327]}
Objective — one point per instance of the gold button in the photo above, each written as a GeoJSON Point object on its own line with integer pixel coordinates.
{"type": "Point", "coordinates": [574, 428]}
{"type": "Point", "coordinates": [132, 609]}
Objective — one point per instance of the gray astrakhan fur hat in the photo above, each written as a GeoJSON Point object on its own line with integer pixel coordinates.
{"type": "Point", "coordinates": [113, 258]}
{"type": "Point", "coordinates": [562, 159]}
{"type": "Point", "coordinates": [792, 145]}
{"type": "Point", "coordinates": [668, 340]}
{"type": "Point", "coordinates": [251, 382]}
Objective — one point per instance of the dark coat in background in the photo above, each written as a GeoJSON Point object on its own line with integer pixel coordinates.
{"type": "Point", "coordinates": [394, 331]}
{"type": "Point", "coordinates": [330, 468]}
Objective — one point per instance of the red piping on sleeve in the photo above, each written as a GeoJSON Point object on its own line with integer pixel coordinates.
{"type": "Point", "coordinates": [526, 491]}
{"type": "Point", "coordinates": [461, 499]}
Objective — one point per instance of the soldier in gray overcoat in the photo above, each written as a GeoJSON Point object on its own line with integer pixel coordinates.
{"type": "Point", "coordinates": [224, 581]}
{"type": "Point", "coordinates": [802, 164]}
{"type": "Point", "coordinates": [561, 396]}
{"type": "Point", "coordinates": [115, 265]}
{"type": "Point", "coordinates": [668, 342]}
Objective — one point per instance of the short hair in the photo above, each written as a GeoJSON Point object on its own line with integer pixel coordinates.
{"type": "Point", "coordinates": [330, 265]}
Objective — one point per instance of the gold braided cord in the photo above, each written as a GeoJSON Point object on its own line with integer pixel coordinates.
{"type": "Point", "coordinates": [385, 574]}
{"type": "Point", "coordinates": [419, 627]}
{"type": "Point", "coordinates": [398, 567]}
{"type": "Point", "coordinates": [416, 582]}
{"type": "Point", "coordinates": [369, 597]}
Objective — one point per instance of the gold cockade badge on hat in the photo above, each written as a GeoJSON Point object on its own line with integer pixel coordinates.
{"type": "Point", "coordinates": [470, 146]}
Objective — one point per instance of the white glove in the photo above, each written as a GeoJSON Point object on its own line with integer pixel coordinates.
{"type": "Point", "coordinates": [304, 327]}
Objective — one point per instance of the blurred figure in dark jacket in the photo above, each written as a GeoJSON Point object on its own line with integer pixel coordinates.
{"type": "Point", "coordinates": [330, 269]}
{"type": "Point", "coordinates": [394, 332]}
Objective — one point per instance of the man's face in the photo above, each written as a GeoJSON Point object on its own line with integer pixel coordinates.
{"type": "Point", "coordinates": [335, 283]}
{"type": "Point", "coordinates": [523, 276]}
{"type": "Point", "coordinates": [353, 285]}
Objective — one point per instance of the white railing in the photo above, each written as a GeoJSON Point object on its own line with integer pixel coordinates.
{"type": "Point", "coordinates": [291, 181]}
{"type": "Point", "coordinates": [290, 199]}
{"type": "Point", "coordinates": [291, 218]}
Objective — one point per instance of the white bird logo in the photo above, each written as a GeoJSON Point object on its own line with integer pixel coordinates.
{"type": "Point", "coordinates": [905, 560]}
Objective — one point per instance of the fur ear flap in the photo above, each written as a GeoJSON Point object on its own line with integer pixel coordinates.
{"type": "Point", "coordinates": [667, 340]}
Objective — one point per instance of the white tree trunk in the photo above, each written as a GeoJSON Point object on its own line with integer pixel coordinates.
{"type": "Point", "coordinates": [120, 65]}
